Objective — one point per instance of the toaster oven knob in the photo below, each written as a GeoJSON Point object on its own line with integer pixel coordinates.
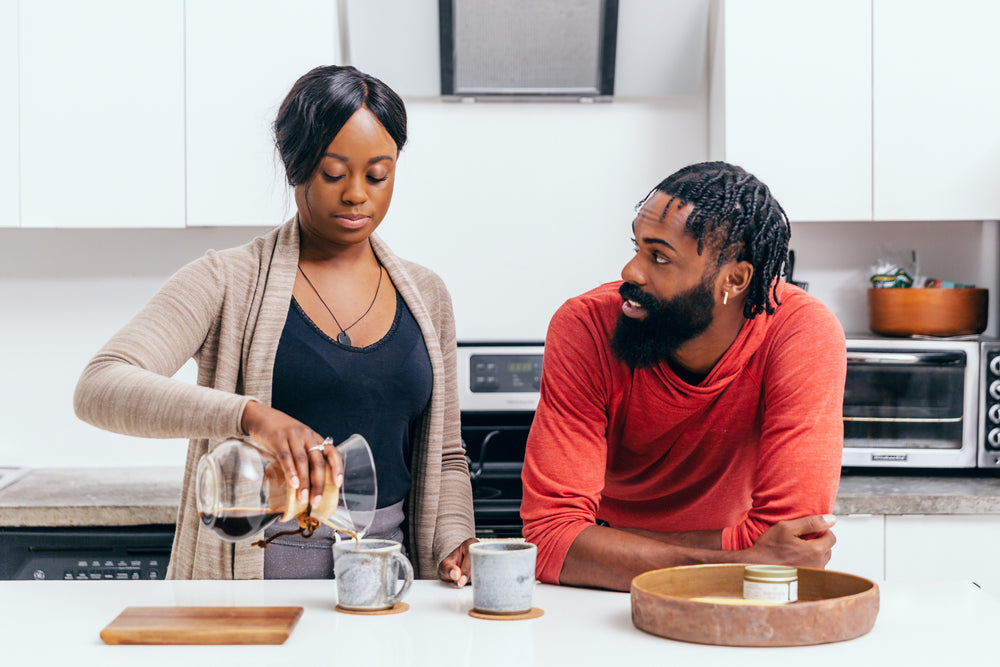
{"type": "Point", "coordinates": [995, 390]}
{"type": "Point", "coordinates": [994, 413]}
{"type": "Point", "coordinates": [995, 365]}
{"type": "Point", "coordinates": [993, 439]}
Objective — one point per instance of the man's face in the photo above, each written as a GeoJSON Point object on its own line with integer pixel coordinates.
{"type": "Point", "coordinates": [669, 291]}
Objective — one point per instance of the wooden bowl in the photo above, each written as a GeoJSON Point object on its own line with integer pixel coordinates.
{"type": "Point", "coordinates": [832, 607]}
{"type": "Point", "coordinates": [927, 311]}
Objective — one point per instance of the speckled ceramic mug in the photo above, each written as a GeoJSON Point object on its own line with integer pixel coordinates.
{"type": "Point", "coordinates": [369, 572]}
{"type": "Point", "coordinates": [503, 576]}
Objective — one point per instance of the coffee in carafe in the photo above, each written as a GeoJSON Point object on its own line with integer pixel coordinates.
{"type": "Point", "coordinates": [241, 490]}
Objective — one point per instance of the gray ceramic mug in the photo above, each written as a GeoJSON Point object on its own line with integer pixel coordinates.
{"type": "Point", "coordinates": [503, 576]}
{"type": "Point", "coordinates": [368, 574]}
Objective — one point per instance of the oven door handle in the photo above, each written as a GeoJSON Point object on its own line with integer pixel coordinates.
{"type": "Point", "coordinates": [908, 358]}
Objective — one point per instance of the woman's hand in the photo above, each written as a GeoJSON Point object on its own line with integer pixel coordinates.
{"type": "Point", "coordinates": [456, 565]}
{"type": "Point", "coordinates": [294, 445]}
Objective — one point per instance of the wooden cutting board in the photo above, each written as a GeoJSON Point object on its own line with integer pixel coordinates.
{"type": "Point", "coordinates": [202, 625]}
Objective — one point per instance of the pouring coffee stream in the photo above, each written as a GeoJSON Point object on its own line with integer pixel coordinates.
{"type": "Point", "coordinates": [241, 490]}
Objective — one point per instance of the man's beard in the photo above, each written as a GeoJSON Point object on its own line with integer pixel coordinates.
{"type": "Point", "coordinates": [667, 325]}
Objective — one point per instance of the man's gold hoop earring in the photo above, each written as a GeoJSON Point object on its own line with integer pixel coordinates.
{"type": "Point", "coordinates": [725, 298]}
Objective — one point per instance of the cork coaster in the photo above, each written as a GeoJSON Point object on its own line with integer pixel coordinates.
{"type": "Point", "coordinates": [534, 612]}
{"type": "Point", "coordinates": [397, 608]}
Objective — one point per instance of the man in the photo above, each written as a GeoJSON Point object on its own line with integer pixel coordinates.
{"type": "Point", "coordinates": [693, 412]}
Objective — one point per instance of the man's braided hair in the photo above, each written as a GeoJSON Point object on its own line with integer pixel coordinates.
{"type": "Point", "coordinates": [737, 213]}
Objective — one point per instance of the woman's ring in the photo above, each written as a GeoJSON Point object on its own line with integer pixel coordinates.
{"type": "Point", "coordinates": [320, 446]}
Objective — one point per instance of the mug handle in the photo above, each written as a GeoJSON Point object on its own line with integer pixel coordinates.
{"type": "Point", "coordinates": [401, 563]}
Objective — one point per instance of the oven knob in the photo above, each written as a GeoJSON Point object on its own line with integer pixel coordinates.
{"type": "Point", "coordinates": [995, 390]}
{"type": "Point", "coordinates": [993, 439]}
{"type": "Point", "coordinates": [994, 413]}
{"type": "Point", "coordinates": [995, 365]}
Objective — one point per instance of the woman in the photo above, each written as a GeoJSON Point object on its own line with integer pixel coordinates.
{"type": "Point", "coordinates": [315, 329]}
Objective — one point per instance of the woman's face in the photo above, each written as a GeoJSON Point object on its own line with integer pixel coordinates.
{"type": "Point", "coordinates": [346, 198]}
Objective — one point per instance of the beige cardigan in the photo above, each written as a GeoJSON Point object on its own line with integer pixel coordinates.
{"type": "Point", "coordinates": [227, 310]}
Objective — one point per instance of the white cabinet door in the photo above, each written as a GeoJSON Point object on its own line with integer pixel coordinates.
{"type": "Point", "coordinates": [9, 152]}
{"type": "Point", "coordinates": [242, 58]}
{"type": "Point", "coordinates": [936, 110]}
{"type": "Point", "coordinates": [102, 113]}
{"type": "Point", "coordinates": [860, 547]}
{"type": "Point", "coordinates": [939, 547]}
{"type": "Point", "coordinates": [791, 102]}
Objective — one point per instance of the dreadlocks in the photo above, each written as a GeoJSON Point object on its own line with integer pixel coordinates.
{"type": "Point", "coordinates": [737, 213]}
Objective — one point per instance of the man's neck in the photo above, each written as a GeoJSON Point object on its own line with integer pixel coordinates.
{"type": "Point", "coordinates": [696, 358]}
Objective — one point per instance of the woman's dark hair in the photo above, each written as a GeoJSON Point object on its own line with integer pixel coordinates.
{"type": "Point", "coordinates": [737, 213]}
{"type": "Point", "coordinates": [318, 106]}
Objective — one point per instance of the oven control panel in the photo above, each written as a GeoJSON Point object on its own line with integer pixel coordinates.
{"type": "Point", "coordinates": [989, 406]}
{"type": "Point", "coordinates": [499, 377]}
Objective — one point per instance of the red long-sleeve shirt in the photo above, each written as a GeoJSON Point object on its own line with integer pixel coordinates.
{"type": "Point", "coordinates": [757, 442]}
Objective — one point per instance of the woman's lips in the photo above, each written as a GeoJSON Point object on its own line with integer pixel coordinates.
{"type": "Point", "coordinates": [632, 309]}
{"type": "Point", "coordinates": [353, 221]}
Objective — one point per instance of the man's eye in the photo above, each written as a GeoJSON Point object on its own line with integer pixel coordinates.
{"type": "Point", "coordinates": [635, 245]}
{"type": "Point", "coordinates": [660, 259]}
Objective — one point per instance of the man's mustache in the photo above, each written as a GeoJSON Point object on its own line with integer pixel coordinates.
{"type": "Point", "coordinates": [632, 292]}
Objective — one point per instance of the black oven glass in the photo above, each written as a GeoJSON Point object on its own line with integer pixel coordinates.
{"type": "Point", "coordinates": [905, 401]}
{"type": "Point", "coordinates": [494, 444]}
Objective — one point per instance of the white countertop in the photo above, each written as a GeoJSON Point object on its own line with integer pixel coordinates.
{"type": "Point", "coordinates": [59, 622]}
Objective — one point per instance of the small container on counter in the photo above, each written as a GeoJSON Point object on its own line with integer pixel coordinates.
{"type": "Point", "coordinates": [771, 583]}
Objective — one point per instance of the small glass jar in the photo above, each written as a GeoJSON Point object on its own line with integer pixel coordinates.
{"type": "Point", "coordinates": [771, 583]}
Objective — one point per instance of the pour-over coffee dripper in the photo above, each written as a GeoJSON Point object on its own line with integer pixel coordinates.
{"type": "Point", "coordinates": [241, 489]}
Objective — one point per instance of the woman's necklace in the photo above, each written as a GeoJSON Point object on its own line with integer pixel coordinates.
{"type": "Point", "coordinates": [342, 337]}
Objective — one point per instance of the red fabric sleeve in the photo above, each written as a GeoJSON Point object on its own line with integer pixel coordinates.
{"type": "Point", "coordinates": [566, 451]}
{"type": "Point", "coordinates": [802, 436]}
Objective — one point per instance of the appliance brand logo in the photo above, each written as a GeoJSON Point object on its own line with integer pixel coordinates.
{"type": "Point", "coordinates": [890, 457]}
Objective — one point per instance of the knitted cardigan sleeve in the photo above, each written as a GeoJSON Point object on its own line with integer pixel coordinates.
{"type": "Point", "coordinates": [128, 386]}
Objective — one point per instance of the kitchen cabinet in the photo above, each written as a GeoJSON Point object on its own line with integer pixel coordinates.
{"type": "Point", "coordinates": [791, 102]}
{"type": "Point", "coordinates": [936, 137]}
{"type": "Point", "coordinates": [9, 152]}
{"type": "Point", "coordinates": [924, 547]}
{"type": "Point", "coordinates": [860, 547]}
{"type": "Point", "coordinates": [241, 59]}
{"type": "Point", "coordinates": [860, 110]}
{"type": "Point", "coordinates": [102, 113]}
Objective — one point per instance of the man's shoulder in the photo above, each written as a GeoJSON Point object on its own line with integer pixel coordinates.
{"type": "Point", "coordinates": [597, 309]}
{"type": "Point", "coordinates": [800, 309]}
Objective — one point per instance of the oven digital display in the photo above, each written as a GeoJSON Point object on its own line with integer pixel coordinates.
{"type": "Point", "coordinates": [516, 373]}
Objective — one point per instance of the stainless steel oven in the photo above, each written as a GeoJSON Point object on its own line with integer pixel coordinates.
{"type": "Point", "coordinates": [498, 394]}
{"type": "Point", "coordinates": [912, 403]}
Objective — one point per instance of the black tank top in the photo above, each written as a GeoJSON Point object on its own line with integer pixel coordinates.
{"type": "Point", "coordinates": [379, 391]}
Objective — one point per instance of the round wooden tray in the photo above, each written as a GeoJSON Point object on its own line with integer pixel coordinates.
{"type": "Point", "coordinates": [832, 607]}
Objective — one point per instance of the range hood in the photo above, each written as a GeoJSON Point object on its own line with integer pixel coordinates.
{"type": "Point", "coordinates": [660, 47]}
{"type": "Point", "coordinates": [527, 49]}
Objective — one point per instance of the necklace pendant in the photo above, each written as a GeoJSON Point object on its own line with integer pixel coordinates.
{"type": "Point", "coordinates": [344, 339]}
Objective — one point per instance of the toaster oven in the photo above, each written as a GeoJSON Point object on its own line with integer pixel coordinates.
{"type": "Point", "coordinates": [915, 403]}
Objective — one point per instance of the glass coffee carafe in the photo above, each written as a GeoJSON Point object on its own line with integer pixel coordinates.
{"type": "Point", "coordinates": [241, 489]}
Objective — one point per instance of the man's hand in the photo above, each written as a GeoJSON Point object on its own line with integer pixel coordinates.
{"type": "Point", "coordinates": [807, 542]}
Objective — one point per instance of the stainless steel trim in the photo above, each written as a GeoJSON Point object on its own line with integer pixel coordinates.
{"type": "Point", "coordinates": [928, 358]}
{"type": "Point", "coordinates": [904, 420]}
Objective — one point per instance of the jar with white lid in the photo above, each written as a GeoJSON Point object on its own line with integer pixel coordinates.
{"type": "Point", "coordinates": [771, 583]}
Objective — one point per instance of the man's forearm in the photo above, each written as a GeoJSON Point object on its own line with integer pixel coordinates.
{"type": "Point", "coordinates": [603, 557]}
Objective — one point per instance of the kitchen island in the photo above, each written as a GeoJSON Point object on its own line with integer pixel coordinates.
{"type": "Point", "coordinates": [57, 622]}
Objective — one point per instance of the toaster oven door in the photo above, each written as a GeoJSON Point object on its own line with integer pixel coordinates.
{"type": "Point", "coordinates": [910, 408]}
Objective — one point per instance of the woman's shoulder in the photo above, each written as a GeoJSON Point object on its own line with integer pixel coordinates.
{"type": "Point", "coordinates": [425, 280]}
